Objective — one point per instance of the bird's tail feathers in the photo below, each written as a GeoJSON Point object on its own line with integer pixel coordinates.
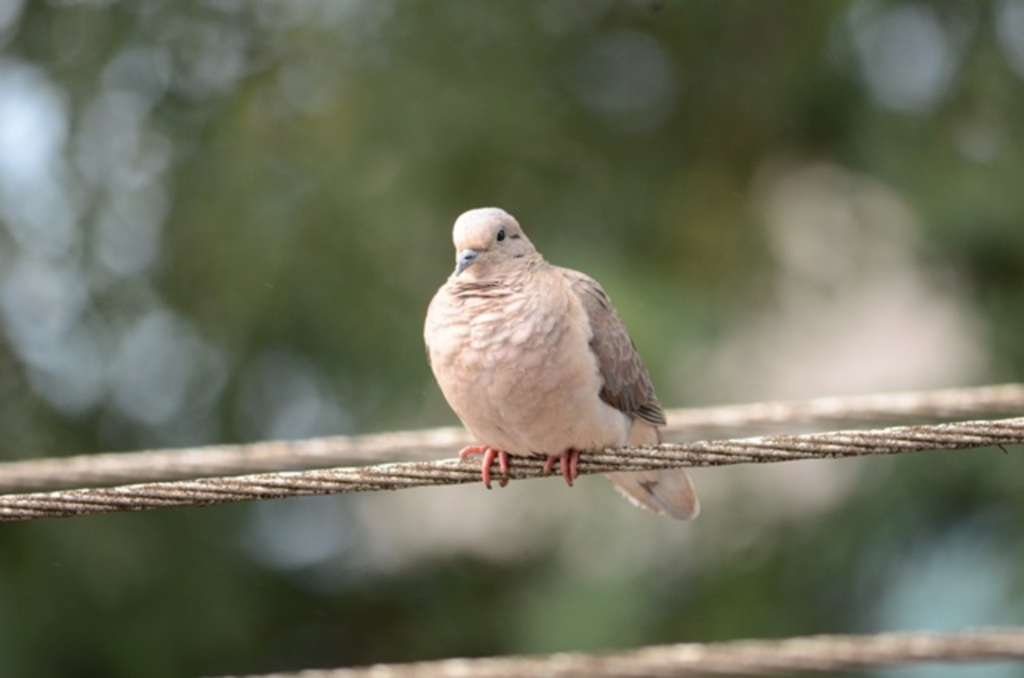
{"type": "Point", "coordinates": [667, 492]}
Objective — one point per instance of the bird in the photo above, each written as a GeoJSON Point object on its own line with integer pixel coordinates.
{"type": "Point", "coordinates": [535, 361]}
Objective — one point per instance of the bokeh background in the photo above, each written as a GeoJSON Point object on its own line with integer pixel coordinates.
{"type": "Point", "coordinates": [222, 220]}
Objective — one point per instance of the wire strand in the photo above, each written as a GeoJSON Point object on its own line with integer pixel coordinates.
{"type": "Point", "coordinates": [807, 654]}
{"type": "Point", "coordinates": [764, 449]}
{"type": "Point", "coordinates": [728, 421]}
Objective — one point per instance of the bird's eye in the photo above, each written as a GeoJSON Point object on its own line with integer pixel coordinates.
{"type": "Point", "coordinates": [501, 235]}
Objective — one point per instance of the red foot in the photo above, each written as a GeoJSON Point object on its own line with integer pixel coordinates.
{"type": "Point", "coordinates": [485, 467]}
{"type": "Point", "coordinates": [568, 464]}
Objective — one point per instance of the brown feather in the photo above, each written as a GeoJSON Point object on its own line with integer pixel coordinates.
{"type": "Point", "coordinates": [627, 384]}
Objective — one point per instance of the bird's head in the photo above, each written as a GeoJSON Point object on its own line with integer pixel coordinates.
{"type": "Point", "coordinates": [489, 242]}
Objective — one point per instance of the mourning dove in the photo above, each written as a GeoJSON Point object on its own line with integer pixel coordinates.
{"type": "Point", "coordinates": [534, 360]}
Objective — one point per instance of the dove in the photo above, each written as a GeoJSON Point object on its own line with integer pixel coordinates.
{"type": "Point", "coordinates": [535, 361]}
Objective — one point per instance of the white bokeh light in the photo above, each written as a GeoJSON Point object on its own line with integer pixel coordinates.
{"type": "Point", "coordinates": [906, 57]}
{"type": "Point", "coordinates": [1009, 26]}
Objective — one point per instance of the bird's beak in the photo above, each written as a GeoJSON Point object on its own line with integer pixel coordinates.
{"type": "Point", "coordinates": [465, 259]}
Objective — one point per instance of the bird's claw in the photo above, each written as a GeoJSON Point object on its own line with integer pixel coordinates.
{"type": "Point", "coordinates": [489, 455]}
{"type": "Point", "coordinates": [568, 465]}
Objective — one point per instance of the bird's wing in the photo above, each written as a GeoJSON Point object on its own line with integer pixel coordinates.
{"type": "Point", "coordinates": [627, 385]}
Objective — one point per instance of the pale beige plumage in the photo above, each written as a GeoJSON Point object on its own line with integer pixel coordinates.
{"type": "Point", "coordinates": [534, 359]}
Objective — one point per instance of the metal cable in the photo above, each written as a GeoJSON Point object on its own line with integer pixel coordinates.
{"type": "Point", "coordinates": [728, 421]}
{"type": "Point", "coordinates": [203, 491]}
{"type": "Point", "coordinates": [809, 654]}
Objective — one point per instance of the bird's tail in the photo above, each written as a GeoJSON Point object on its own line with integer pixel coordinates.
{"type": "Point", "coordinates": [665, 492]}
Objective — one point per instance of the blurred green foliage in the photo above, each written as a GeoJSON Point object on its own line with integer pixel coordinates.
{"type": "Point", "coordinates": [222, 222]}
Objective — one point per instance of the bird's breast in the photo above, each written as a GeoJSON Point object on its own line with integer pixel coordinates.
{"type": "Point", "coordinates": [520, 373]}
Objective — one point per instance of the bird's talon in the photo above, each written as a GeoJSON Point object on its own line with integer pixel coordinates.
{"type": "Point", "coordinates": [503, 467]}
{"type": "Point", "coordinates": [489, 454]}
{"type": "Point", "coordinates": [568, 465]}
